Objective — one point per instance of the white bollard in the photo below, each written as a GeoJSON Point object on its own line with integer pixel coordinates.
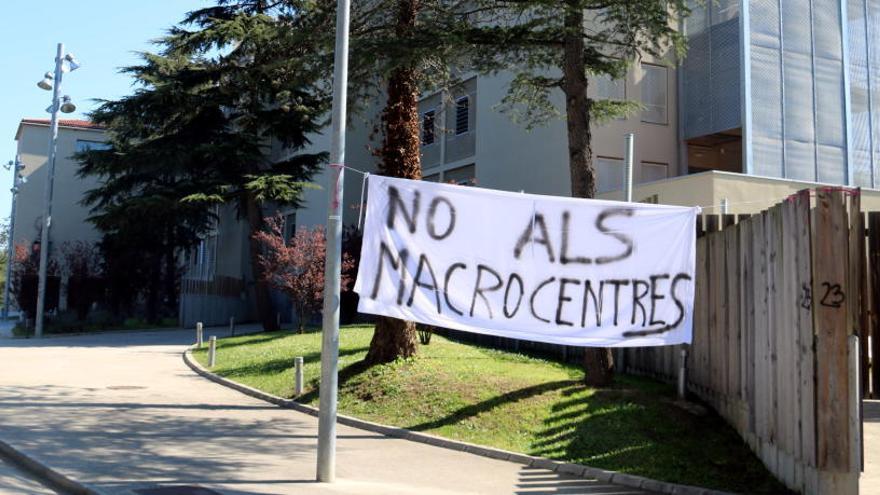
{"type": "Point", "coordinates": [682, 374]}
{"type": "Point", "coordinates": [298, 385]}
{"type": "Point", "coordinates": [199, 340]}
{"type": "Point", "coordinates": [212, 351]}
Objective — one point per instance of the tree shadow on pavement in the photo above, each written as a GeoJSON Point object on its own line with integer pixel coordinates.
{"type": "Point", "coordinates": [95, 441]}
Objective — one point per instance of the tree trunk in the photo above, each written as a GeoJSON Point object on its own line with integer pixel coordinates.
{"type": "Point", "coordinates": [172, 289]}
{"type": "Point", "coordinates": [155, 290]}
{"type": "Point", "coordinates": [261, 288]}
{"type": "Point", "coordinates": [400, 151]}
{"type": "Point", "coordinates": [598, 362]}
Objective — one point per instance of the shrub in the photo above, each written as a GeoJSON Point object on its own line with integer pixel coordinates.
{"type": "Point", "coordinates": [85, 286]}
{"type": "Point", "coordinates": [296, 266]}
{"type": "Point", "coordinates": [24, 283]}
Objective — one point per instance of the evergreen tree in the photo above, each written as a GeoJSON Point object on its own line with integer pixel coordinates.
{"type": "Point", "coordinates": [205, 117]}
{"type": "Point", "coordinates": [556, 45]}
{"type": "Point", "coordinates": [398, 49]}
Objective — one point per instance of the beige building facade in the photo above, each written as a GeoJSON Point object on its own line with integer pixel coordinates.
{"type": "Point", "coordinates": [69, 216]}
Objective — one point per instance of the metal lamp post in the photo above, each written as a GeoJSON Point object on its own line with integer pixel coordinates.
{"type": "Point", "coordinates": [59, 104]}
{"type": "Point", "coordinates": [17, 180]}
{"type": "Point", "coordinates": [330, 338]}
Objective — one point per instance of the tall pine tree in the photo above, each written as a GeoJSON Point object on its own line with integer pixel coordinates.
{"type": "Point", "coordinates": [207, 112]}
{"type": "Point", "coordinates": [556, 46]}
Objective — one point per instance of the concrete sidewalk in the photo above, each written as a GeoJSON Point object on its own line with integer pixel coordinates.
{"type": "Point", "coordinates": [122, 413]}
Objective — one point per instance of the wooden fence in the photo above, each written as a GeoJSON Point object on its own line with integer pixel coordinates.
{"type": "Point", "coordinates": [781, 298]}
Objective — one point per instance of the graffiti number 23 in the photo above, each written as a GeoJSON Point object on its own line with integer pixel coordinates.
{"type": "Point", "coordinates": [833, 297]}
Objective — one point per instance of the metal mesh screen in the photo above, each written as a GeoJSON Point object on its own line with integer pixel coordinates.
{"type": "Point", "coordinates": [797, 101]}
{"type": "Point", "coordinates": [711, 69]}
{"type": "Point", "coordinates": [872, 27]}
{"type": "Point", "coordinates": [766, 84]}
{"type": "Point", "coordinates": [860, 115]}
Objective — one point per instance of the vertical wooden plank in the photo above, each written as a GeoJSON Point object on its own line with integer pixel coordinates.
{"type": "Point", "coordinates": [806, 341]}
{"type": "Point", "coordinates": [874, 295]}
{"type": "Point", "coordinates": [711, 226]}
{"type": "Point", "coordinates": [695, 356]}
{"type": "Point", "coordinates": [716, 263]}
{"type": "Point", "coordinates": [733, 325]}
{"type": "Point", "coordinates": [727, 220]}
{"type": "Point", "coordinates": [774, 281]}
{"type": "Point", "coordinates": [854, 279]}
{"type": "Point", "coordinates": [747, 316]}
{"type": "Point", "coordinates": [792, 351]}
{"type": "Point", "coordinates": [788, 347]}
{"type": "Point", "coordinates": [830, 253]}
{"type": "Point", "coordinates": [761, 347]}
{"type": "Point", "coordinates": [709, 329]}
{"type": "Point", "coordinates": [711, 223]}
{"type": "Point", "coordinates": [855, 307]}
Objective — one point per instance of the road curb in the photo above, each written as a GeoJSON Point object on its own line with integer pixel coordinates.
{"type": "Point", "coordinates": [577, 470]}
{"type": "Point", "coordinates": [46, 474]}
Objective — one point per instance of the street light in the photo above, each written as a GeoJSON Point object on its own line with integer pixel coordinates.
{"type": "Point", "coordinates": [64, 62]}
{"type": "Point", "coordinates": [17, 180]}
{"type": "Point", "coordinates": [67, 106]}
{"type": "Point", "coordinates": [46, 83]}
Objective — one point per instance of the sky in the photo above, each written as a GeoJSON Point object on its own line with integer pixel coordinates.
{"type": "Point", "coordinates": [104, 35]}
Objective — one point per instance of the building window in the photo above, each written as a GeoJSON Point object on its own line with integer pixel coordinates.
{"type": "Point", "coordinates": [463, 176]}
{"type": "Point", "coordinates": [428, 128]}
{"type": "Point", "coordinates": [204, 258]}
{"type": "Point", "coordinates": [654, 94]}
{"type": "Point", "coordinates": [462, 115]}
{"type": "Point", "coordinates": [432, 178]}
{"type": "Point", "coordinates": [289, 226]}
{"type": "Point", "coordinates": [84, 145]}
{"type": "Point", "coordinates": [651, 171]}
{"type": "Point", "coordinates": [609, 174]}
{"type": "Point", "coordinates": [610, 89]}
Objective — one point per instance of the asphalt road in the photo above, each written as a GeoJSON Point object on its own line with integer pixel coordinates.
{"type": "Point", "coordinates": [122, 413]}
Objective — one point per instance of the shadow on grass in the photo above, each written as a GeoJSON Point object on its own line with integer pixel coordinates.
{"type": "Point", "coordinates": [640, 431]}
{"type": "Point", "coordinates": [252, 339]}
{"type": "Point", "coordinates": [487, 405]}
{"type": "Point", "coordinates": [279, 365]}
{"type": "Point", "coordinates": [345, 374]}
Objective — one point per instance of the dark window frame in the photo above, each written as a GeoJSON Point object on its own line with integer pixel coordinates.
{"type": "Point", "coordinates": [462, 103]}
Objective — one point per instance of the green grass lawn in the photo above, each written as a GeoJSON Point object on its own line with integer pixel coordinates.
{"type": "Point", "coordinates": [510, 401]}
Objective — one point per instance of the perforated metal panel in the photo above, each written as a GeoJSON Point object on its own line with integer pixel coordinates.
{"type": "Point", "coordinates": [872, 26]}
{"type": "Point", "coordinates": [797, 98]}
{"type": "Point", "coordinates": [860, 115]}
{"type": "Point", "coordinates": [711, 71]}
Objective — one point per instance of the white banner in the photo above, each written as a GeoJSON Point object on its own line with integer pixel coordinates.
{"type": "Point", "coordinates": [542, 268]}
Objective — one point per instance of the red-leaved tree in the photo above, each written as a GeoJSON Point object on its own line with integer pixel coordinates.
{"type": "Point", "coordinates": [295, 266]}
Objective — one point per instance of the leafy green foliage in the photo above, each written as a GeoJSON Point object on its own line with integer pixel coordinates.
{"type": "Point", "coordinates": [221, 114]}
{"type": "Point", "coordinates": [529, 37]}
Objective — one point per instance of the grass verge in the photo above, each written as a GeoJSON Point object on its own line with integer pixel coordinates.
{"type": "Point", "coordinates": [510, 401]}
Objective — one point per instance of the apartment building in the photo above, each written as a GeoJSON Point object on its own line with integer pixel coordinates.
{"type": "Point", "coordinates": [784, 89]}
{"type": "Point", "coordinates": [68, 215]}
{"type": "Point", "coordinates": [771, 98]}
